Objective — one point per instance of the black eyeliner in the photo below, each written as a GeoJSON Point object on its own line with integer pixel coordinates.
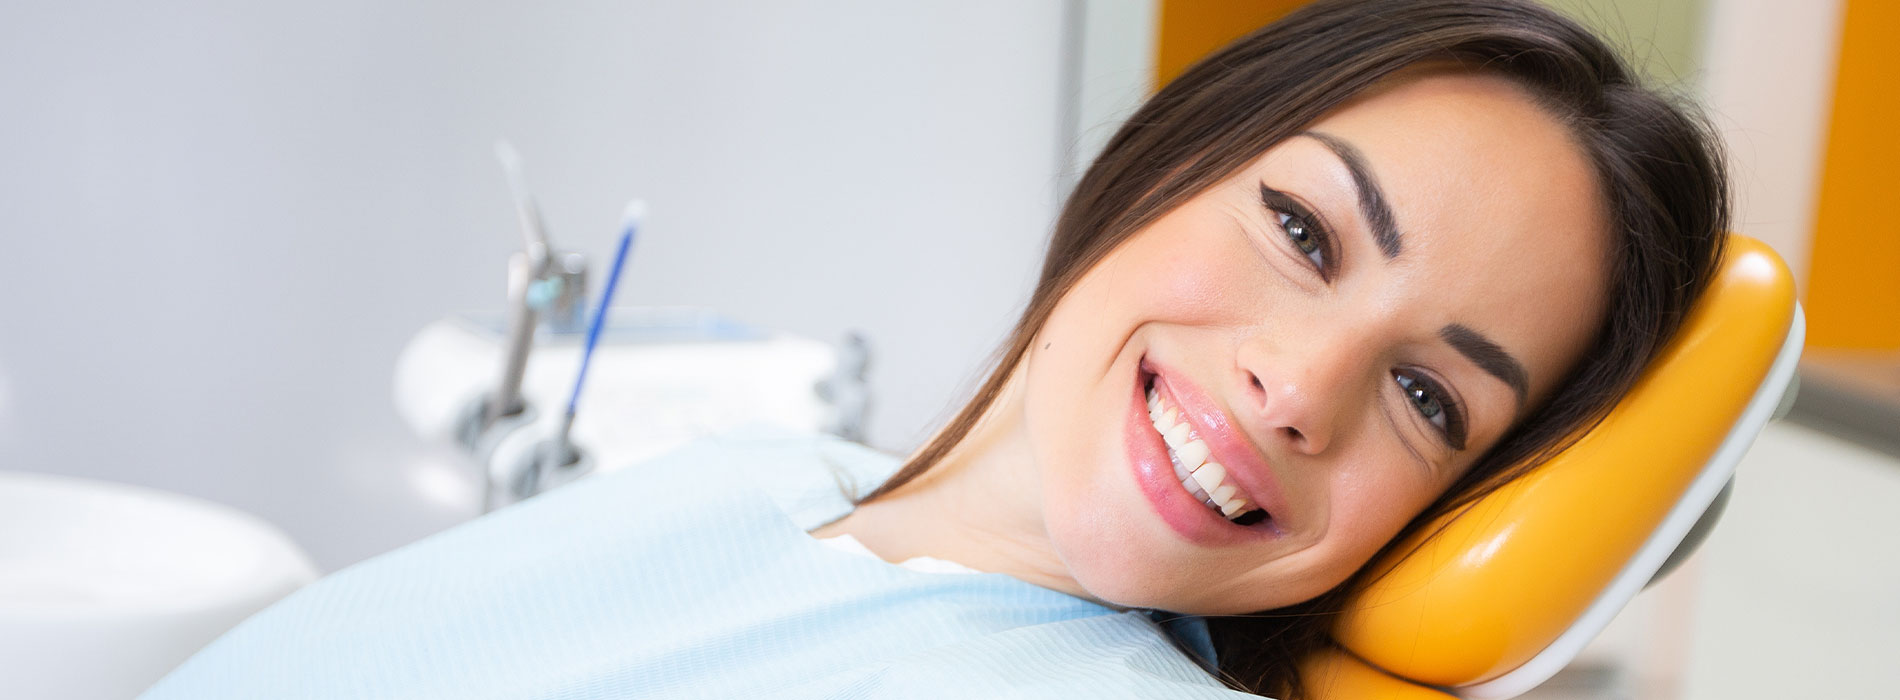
{"type": "Point", "coordinates": [1277, 201]}
{"type": "Point", "coordinates": [1454, 412]}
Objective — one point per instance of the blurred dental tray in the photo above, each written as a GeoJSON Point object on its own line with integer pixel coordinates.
{"type": "Point", "coordinates": [659, 377]}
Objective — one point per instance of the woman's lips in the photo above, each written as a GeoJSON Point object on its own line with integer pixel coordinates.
{"type": "Point", "coordinates": [1155, 475]}
{"type": "Point", "coordinates": [1226, 444]}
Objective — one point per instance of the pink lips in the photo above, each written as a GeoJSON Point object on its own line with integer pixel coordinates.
{"type": "Point", "coordinates": [1183, 513]}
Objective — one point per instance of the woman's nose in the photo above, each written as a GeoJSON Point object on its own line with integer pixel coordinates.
{"type": "Point", "coordinates": [1300, 390]}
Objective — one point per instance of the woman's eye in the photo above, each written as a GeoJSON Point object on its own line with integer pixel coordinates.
{"type": "Point", "coordinates": [1434, 404]}
{"type": "Point", "coordinates": [1299, 226]}
{"type": "Point", "coordinates": [1304, 237]}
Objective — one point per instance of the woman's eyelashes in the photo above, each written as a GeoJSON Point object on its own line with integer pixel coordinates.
{"type": "Point", "coordinates": [1302, 229]}
{"type": "Point", "coordinates": [1430, 400]}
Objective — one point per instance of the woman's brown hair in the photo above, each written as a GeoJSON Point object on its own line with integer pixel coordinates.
{"type": "Point", "coordinates": [1661, 180]}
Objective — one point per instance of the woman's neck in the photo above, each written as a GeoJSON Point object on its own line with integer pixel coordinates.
{"type": "Point", "coordinates": [980, 506]}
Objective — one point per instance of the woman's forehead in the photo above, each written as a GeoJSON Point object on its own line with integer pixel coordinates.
{"type": "Point", "coordinates": [1454, 152]}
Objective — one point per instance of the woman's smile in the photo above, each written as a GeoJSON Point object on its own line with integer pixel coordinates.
{"type": "Point", "coordinates": [1203, 478]}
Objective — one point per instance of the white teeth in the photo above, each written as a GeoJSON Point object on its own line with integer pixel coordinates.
{"type": "Point", "coordinates": [1192, 454]}
{"type": "Point", "coordinates": [1224, 494]}
{"type": "Point", "coordinates": [1176, 436]}
{"type": "Point", "coordinates": [1199, 477]}
{"type": "Point", "coordinates": [1194, 488]}
{"type": "Point", "coordinates": [1209, 476]}
{"type": "Point", "coordinates": [1233, 508]}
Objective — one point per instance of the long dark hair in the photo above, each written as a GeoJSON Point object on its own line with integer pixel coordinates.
{"type": "Point", "coordinates": [1658, 164]}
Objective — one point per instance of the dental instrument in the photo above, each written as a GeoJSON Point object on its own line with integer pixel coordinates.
{"type": "Point", "coordinates": [630, 220]}
{"type": "Point", "coordinates": [524, 272]}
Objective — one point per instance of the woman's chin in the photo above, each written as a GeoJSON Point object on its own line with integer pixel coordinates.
{"type": "Point", "coordinates": [1121, 559]}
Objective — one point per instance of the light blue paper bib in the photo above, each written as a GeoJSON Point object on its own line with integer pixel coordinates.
{"type": "Point", "coordinates": [689, 576]}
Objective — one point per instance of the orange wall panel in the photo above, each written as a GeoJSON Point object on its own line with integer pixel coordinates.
{"type": "Point", "coordinates": [1854, 274]}
{"type": "Point", "coordinates": [1190, 29]}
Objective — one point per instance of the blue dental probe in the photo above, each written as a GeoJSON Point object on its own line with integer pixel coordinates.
{"type": "Point", "coordinates": [630, 223]}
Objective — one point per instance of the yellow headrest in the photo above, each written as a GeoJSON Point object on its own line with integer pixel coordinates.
{"type": "Point", "coordinates": [1500, 583]}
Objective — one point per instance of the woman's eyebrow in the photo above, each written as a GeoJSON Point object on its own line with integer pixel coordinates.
{"type": "Point", "coordinates": [1489, 357]}
{"type": "Point", "coordinates": [1372, 204]}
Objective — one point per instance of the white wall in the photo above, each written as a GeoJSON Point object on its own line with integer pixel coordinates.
{"type": "Point", "coordinates": [222, 220]}
{"type": "Point", "coordinates": [1112, 73]}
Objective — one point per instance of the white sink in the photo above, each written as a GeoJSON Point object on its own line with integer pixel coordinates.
{"type": "Point", "coordinates": [105, 587]}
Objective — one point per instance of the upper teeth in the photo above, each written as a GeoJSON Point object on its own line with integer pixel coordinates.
{"type": "Point", "coordinates": [1205, 479]}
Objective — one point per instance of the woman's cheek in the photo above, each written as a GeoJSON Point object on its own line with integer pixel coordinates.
{"type": "Point", "coordinates": [1373, 500]}
{"type": "Point", "coordinates": [1202, 277]}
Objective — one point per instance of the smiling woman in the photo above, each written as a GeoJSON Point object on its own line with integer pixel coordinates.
{"type": "Point", "coordinates": [1344, 276]}
{"type": "Point", "coordinates": [1340, 278]}
{"type": "Point", "coordinates": [1314, 347]}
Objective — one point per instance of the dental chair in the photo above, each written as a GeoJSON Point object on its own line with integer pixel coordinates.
{"type": "Point", "coordinates": [1494, 601]}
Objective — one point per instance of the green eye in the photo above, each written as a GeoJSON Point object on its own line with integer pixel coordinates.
{"type": "Point", "coordinates": [1296, 230]}
{"type": "Point", "coordinates": [1297, 223]}
{"type": "Point", "coordinates": [1423, 399]}
{"type": "Point", "coordinates": [1303, 237]}
{"type": "Point", "coordinates": [1438, 406]}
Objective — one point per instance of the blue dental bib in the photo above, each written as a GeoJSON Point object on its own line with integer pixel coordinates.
{"type": "Point", "coordinates": [689, 576]}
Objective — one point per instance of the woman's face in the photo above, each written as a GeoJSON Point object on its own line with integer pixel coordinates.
{"type": "Point", "coordinates": [1342, 326]}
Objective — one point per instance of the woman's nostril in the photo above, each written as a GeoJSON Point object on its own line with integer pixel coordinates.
{"type": "Point", "coordinates": [1256, 383]}
{"type": "Point", "coordinates": [1293, 432]}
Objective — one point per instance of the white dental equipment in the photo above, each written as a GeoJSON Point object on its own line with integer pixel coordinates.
{"type": "Point", "coordinates": [663, 376]}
